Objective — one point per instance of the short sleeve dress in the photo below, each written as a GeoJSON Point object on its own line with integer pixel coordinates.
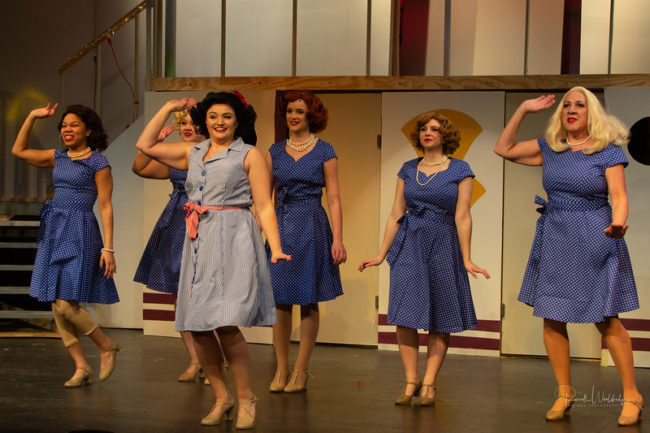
{"type": "Point", "coordinates": [575, 273]}
{"type": "Point", "coordinates": [224, 277]}
{"type": "Point", "coordinates": [311, 276]}
{"type": "Point", "coordinates": [69, 240]}
{"type": "Point", "coordinates": [160, 265]}
{"type": "Point", "coordinates": [429, 287]}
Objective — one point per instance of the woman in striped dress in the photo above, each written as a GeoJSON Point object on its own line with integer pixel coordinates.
{"type": "Point", "coordinates": [224, 281]}
{"type": "Point", "coordinates": [73, 265]}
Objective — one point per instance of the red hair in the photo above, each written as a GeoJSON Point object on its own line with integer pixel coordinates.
{"type": "Point", "coordinates": [316, 111]}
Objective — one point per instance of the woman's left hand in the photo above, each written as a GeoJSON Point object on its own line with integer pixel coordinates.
{"type": "Point", "coordinates": [107, 261]}
{"type": "Point", "coordinates": [616, 231]}
{"type": "Point", "coordinates": [276, 257]}
{"type": "Point", "coordinates": [474, 270]}
{"type": "Point", "coordinates": [338, 253]}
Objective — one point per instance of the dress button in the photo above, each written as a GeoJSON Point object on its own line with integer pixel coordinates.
{"type": "Point", "coordinates": [196, 250]}
{"type": "Point", "coordinates": [201, 188]}
{"type": "Point", "coordinates": [199, 203]}
{"type": "Point", "coordinates": [203, 173]}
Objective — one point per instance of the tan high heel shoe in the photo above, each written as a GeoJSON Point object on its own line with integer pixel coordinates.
{"type": "Point", "coordinates": [105, 372]}
{"type": "Point", "coordinates": [625, 420]}
{"type": "Point", "coordinates": [294, 385]}
{"type": "Point", "coordinates": [425, 400]}
{"type": "Point", "coordinates": [248, 421]}
{"type": "Point", "coordinates": [279, 380]}
{"type": "Point", "coordinates": [86, 379]}
{"type": "Point", "coordinates": [218, 411]}
{"type": "Point", "coordinates": [191, 377]}
{"type": "Point", "coordinates": [405, 398]}
{"type": "Point", "coordinates": [559, 414]}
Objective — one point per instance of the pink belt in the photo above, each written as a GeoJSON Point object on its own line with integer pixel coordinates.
{"type": "Point", "coordinates": [193, 211]}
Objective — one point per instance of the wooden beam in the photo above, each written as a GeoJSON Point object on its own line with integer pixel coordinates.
{"type": "Point", "coordinates": [410, 83]}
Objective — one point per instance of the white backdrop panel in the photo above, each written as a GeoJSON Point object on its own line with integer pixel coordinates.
{"type": "Point", "coordinates": [258, 38]}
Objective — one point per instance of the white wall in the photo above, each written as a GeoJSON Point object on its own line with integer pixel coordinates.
{"type": "Point", "coordinates": [198, 38]}
{"type": "Point", "coordinates": [331, 37]}
{"type": "Point", "coordinates": [487, 37]}
{"type": "Point", "coordinates": [258, 37]}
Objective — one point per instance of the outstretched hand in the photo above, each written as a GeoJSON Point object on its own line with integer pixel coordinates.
{"type": "Point", "coordinates": [164, 133]}
{"type": "Point", "coordinates": [541, 103]}
{"type": "Point", "coordinates": [375, 261]}
{"type": "Point", "coordinates": [180, 104]}
{"type": "Point", "coordinates": [47, 111]}
{"type": "Point", "coordinates": [475, 270]}
{"type": "Point", "coordinates": [616, 231]}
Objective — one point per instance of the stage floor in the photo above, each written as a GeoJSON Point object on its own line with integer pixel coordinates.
{"type": "Point", "coordinates": [352, 390]}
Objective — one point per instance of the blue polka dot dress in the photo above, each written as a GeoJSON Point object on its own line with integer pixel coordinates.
{"type": "Point", "coordinates": [69, 241]}
{"type": "Point", "coordinates": [575, 273]}
{"type": "Point", "coordinates": [160, 265]}
{"type": "Point", "coordinates": [224, 277]}
{"type": "Point", "coordinates": [429, 288]}
{"type": "Point", "coordinates": [311, 276]}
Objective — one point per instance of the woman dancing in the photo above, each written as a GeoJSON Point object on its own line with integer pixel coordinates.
{"type": "Point", "coordinates": [224, 281]}
{"type": "Point", "coordinates": [579, 270]}
{"type": "Point", "coordinates": [73, 265]}
{"type": "Point", "coordinates": [301, 166]}
{"type": "Point", "coordinates": [427, 244]}
{"type": "Point", "coordinates": [160, 264]}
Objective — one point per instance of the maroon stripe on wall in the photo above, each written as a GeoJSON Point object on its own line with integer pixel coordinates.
{"type": "Point", "coordinates": [166, 316]}
{"type": "Point", "coordinates": [454, 341]}
{"type": "Point", "coordinates": [636, 324]}
{"type": "Point", "coordinates": [483, 325]}
{"type": "Point", "coordinates": [158, 298]}
{"type": "Point", "coordinates": [571, 37]}
{"type": "Point", "coordinates": [638, 344]}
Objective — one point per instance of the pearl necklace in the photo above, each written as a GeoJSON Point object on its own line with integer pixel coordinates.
{"type": "Point", "coordinates": [429, 164]}
{"type": "Point", "coordinates": [299, 147]}
{"type": "Point", "coordinates": [78, 154]}
{"type": "Point", "coordinates": [577, 144]}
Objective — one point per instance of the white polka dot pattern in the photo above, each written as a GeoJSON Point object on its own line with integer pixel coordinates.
{"type": "Point", "coordinates": [160, 264]}
{"type": "Point", "coordinates": [575, 273]}
{"type": "Point", "coordinates": [69, 246]}
{"type": "Point", "coordinates": [429, 288]}
{"type": "Point", "coordinates": [311, 276]}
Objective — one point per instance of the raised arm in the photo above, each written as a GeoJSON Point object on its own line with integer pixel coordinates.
{"type": "Point", "coordinates": [144, 166]}
{"type": "Point", "coordinates": [522, 152]}
{"type": "Point", "coordinates": [104, 182]}
{"type": "Point", "coordinates": [259, 178]}
{"type": "Point", "coordinates": [463, 219]}
{"type": "Point", "coordinates": [615, 177]}
{"type": "Point", "coordinates": [175, 155]}
{"type": "Point", "coordinates": [392, 226]}
{"type": "Point", "coordinates": [330, 169]}
{"type": "Point", "coordinates": [39, 158]}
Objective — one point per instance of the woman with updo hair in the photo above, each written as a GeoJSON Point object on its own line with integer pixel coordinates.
{"type": "Point", "coordinates": [224, 281]}
{"type": "Point", "coordinates": [73, 266]}
{"type": "Point", "coordinates": [427, 245]}
{"type": "Point", "coordinates": [301, 166]}
{"type": "Point", "coordinates": [160, 265]}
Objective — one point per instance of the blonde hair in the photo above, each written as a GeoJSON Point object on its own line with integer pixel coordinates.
{"type": "Point", "coordinates": [178, 118]}
{"type": "Point", "coordinates": [604, 128]}
{"type": "Point", "coordinates": [450, 134]}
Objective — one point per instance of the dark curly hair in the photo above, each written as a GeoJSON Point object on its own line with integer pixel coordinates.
{"type": "Point", "coordinates": [316, 111]}
{"type": "Point", "coordinates": [244, 114]}
{"type": "Point", "coordinates": [97, 140]}
{"type": "Point", "coordinates": [450, 134]}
